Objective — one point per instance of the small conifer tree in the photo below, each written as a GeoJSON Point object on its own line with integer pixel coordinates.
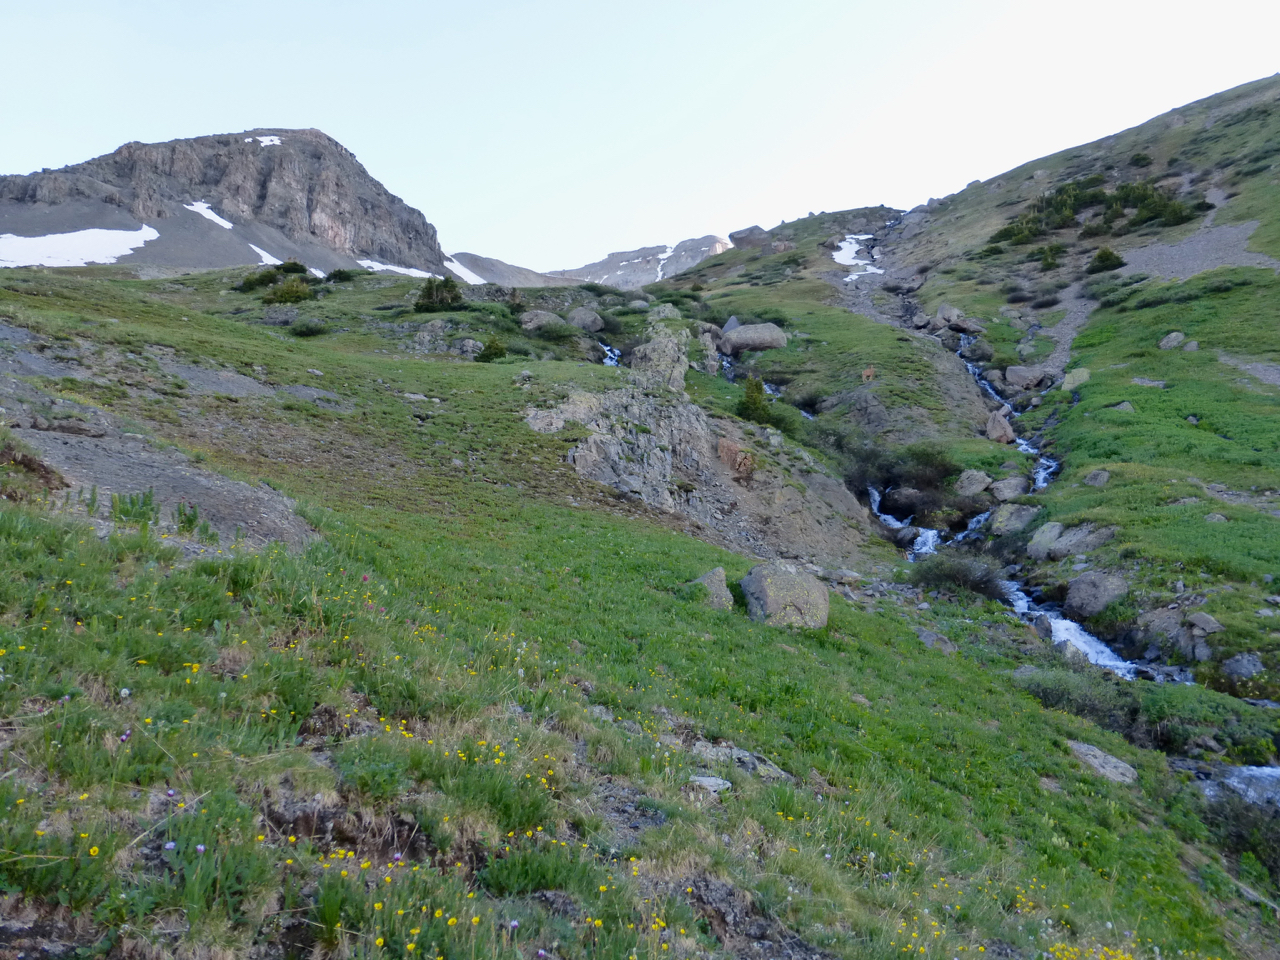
{"type": "Point", "coordinates": [438, 295]}
{"type": "Point", "coordinates": [1105, 259]}
{"type": "Point", "coordinates": [495, 349]}
{"type": "Point", "coordinates": [753, 406]}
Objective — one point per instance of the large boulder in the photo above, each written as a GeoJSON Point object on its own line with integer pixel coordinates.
{"type": "Point", "coordinates": [718, 595]}
{"type": "Point", "coordinates": [1074, 379]}
{"type": "Point", "coordinates": [753, 336]}
{"type": "Point", "coordinates": [1024, 378]}
{"type": "Point", "coordinates": [1172, 340]}
{"type": "Point", "coordinates": [1103, 764]}
{"type": "Point", "coordinates": [585, 319]}
{"type": "Point", "coordinates": [1243, 666]}
{"type": "Point", "coordinates": [662, 361]}
{"type": "Point", "coordinates": [1090, 593]}
{"type": "Point", "coordinates": [1043, 540]}
{"type": "Point", "coordinates": [1081, 539]}
{"type": "Point", "coordinates": [977, 350]}
{"type": "Point", "coordinates": [533, 320]}
{"type": "Point", "coordinates": [998, 428]}
{"type": "Point", "coordinates": [1097, 478]}
{"type": "Point", "coordinates": [1012, 518]}
{"type": "Point", "coordinates": [1010, 488]}
{"type": "Point", "coordinates": [1206, 624]}
{"type": "Point", "coordinates": [971, 483]}
{"type": "Point", "coordinates": [664, 311]}
{"type": "Point", "coordinates": [750, 237]}
{"type": "Point", "coordinates": [781, 594]}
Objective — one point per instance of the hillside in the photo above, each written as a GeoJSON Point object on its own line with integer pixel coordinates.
{"type": "Point", "coordinates": [358, 616]}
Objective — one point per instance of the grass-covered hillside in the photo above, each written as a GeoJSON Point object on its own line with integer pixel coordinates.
{"type": "Point", "coordinates": [462, 721]}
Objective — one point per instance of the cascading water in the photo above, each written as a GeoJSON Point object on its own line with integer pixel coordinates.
{"type": "Point", "coordinates": [611, 355]}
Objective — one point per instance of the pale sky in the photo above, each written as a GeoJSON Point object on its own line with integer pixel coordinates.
{"type": "Point", "coordinates": [550, 133]}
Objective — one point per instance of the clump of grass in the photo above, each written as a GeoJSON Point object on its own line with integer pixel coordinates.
{"type": "Point", "coordinates": [949, 571]}
{"type": "Point", "coordinates": [308, 328]}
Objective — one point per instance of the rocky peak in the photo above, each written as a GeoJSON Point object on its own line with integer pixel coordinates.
{"type": "Point", "coordinates": [301, 187]}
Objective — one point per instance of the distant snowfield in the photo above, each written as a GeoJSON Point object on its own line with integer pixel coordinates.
{"type": "Point", "coordinates": [76, 249]}
{"type": "Point", "coordinates": [387, 268]}
{"type": "Point", "coordinates": [203, 209]}
{"type": "Point", "coordinates": [466, 275]}
{"type": "Point", "coordinates": [265, 141]}
{"type": "Point", "coordinates": [267, 259]}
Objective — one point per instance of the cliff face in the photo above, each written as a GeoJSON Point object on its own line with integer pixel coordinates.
{"type": "Point", "coordinates": [302, 184]}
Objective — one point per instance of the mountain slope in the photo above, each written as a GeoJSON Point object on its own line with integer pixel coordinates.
{"type": "Point", "coordinates": [217, 201]}
{"type": "Point", "coordinates": [632, 269]}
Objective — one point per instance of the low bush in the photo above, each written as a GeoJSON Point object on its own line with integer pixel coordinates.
{"type": "Point", "coordinates": [1105, 259]}
{"type": "Point", "coordinates": [1140, 160]}
{"type": "Point", "coordinates": [557, 333]}
{"type": "Point", "coordinates": [948, 571]}
{"type": "Point", "coordinates": [308, 328]}
{"type": "Point", "coordinates": [292, 266]}
{"type": "Point", "coordinates": [343, 276]}
{"type": "Point", "coordinates": [1044, 303]}
{"type": "Point", "coordinates": [255, 281]}
{"type": "Point", "coordinates": [494, 349]}
{"type": "Point", "coordinates": [293, 290]}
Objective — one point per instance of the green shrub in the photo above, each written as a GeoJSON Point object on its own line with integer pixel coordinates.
{"type": "Point", "coordinates": [557, 333]}
{"type": "Point", "coordinates": [1105, 259]}
{"type": "Point", "coordinates": [254, 281]}
{"type": "Point", "coordinates": [308, 328]}
{"type": "Point", "coordinates": [343, 275]}
{"type": "Point", "coordinates": [438, 295]}
{"type": "Point", "coordinates": [1140, 160]}
{"type": "Point", "coordinates": [293, 290]}
{"type": "Point", "coordinates": [292, 266]}
{"type": "Point", "coordinates": [494, 349]}
{"type": "Point", "coordinates": [947, 571]}
{"type": "Point", "coordinates": [753, 406]}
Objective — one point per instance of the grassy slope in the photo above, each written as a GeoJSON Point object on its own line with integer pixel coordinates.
{"type": "Point", "coordinates": [484, 593]}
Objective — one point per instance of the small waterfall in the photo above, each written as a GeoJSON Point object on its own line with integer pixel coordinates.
{"type": "Point", "coordinates": [893, 523]}
{"type": "Point", "coordinates": [611, 355]}
{"type": "Point", "coordinates": [925, 544]}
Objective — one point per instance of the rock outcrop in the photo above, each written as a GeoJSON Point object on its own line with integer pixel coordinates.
{"type": "Point", "coordinates": [1090, 593]}
{"type": "Point", "coordinates": [753, 336]}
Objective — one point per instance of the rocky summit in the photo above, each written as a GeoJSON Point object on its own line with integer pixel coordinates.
{"type": "Point", "coordinates": [888, 581]}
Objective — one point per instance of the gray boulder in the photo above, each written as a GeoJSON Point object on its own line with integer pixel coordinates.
{"type": "Point", "coordinates": [1074, 379]}
{"type": "Point", "coordinates": [1045, 537]}
{"type": "Point", "coordinates": [753, 336]}
{"type": "Point", "coordinates": [1009, 488]}
{"type": "Point", "coordinates": [1012, 518]}
{"type": "Point", "coordinates": [949, 314]}
{"type": "Point", "coordinates": [1172, 340]}
{"type": "Point", "coordinates": [998, 428]}
{"type": "Point", "coordinates": [1024, 378]}
{"type": "Point", "coordinates": [718, 595]}
{"type": "Point", "coordinates": [971, 483]}
{"type": "Point", "coordinates": [1091, 592]}
{"type": "Point", "coordinates": [638, 304]}
{"type": "Point", "coordinates": [781, 594]}
{"type": "Point", "coordinates": [664, 311]}
{"type": "Point", "coordinates": [1243, 666]}
{"type": "Point", "coordinates": [1124, 406]}
{"type": "Point", "coordinates": [1097, 478]}
{"type": "Point", "coordinates": [754, 236]}
{"type": "Point", "coordinates": [1103, 764]}
{"type": "Point", "coordinates": [1200, 620]}
{"type": "Point", "coordinates": [733, 323]}
{"type": "Point", "coordinates": [1081, 539]}
{"type": "Point", "coordinates": [532, 320]}
{"type": "Point", "coordinates": [1191, 346]}
{"type": "Point", "coordinates": [977, 351]}
{"type": "Point", "coordinates": [585, 319]}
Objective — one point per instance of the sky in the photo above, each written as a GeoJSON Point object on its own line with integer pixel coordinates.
{"type": "Point", "coordinates": [551, 133]}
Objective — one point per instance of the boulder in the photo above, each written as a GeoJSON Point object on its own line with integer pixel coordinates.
{"type": "Point", "coordinates": [1081, 539]}
{"type": "Point", "coordinates": [585, 319]}
{"type": "Point", "coordinates": [1097, 478]}
{"type": "Point", "coordinates": [833, 242]}
{"type": "Point", "coordinates": [1012, 518]}
{"type": "Point", "coordinates": [750, 237]}
{"type": "Point", "coordinates": [711, 354]}
{"type": "Point", "coordinates": [638, 305]}
{"type": "Point", "coordinates": [1091, 592]}
{"type": "Point", "coordinates": [664, 311]}
{"type": "Point", "coordinates": [936, 641]}
{"type": "Point", "coordinates": [662, 360]}
{"type": "Point", "coordinates": [1191, 346]}
{"type": "Point", "coordinates": [977, 351]}
{"type": "Point", "coordinates": [1010, 488]}
{"type": "Point", "coordinates": [971, 483]}
{"type": "Point", "coordinates": [1044, 538]}
{"type": "Point", "coordinates": [718, 595]}
{"type": "Point", "coordinates": [1202, 621]}
{"type": "Point", "coordinates": [733, 323]}
{"type": "Point", "coordinates": [753, 336]}
{"type": "Point", "coordinates": [1215, 518]}
{"type": "Point", "coordinates": [1074, 379]}
{"type": "Point", "coordinates": [781, 246]}
{"type": "Point", "coordinates": [532, 320]}
{"type": "Point", "coordinates": [1024, 378]}
{"type": "Point", "coordinates": [781, 594]}
{"type": "Point", "coordinates": [1124, 406]}
{"type": "Point", "coordinates": [949, 314]}
{"type": "Point", "coordinates": [1103, 764]}
{"type": "Point", "coordinates": [964, 325]}
{"type": "Point", "coordinates": [1243, 666]}
{"type": "Point", "coordinates": [711, 784]}
{"type": "Point", "coordinates": [1172, 340]}
{"type": "Point", "coordinates": [998, 429]}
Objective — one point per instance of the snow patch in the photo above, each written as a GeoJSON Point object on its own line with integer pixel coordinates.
{"type": "Point", "coordinates": [267, 259]}
{"type": "Point", "coordinates": [465, 275]}
{"type": "Point", "coordinates": [387, 268]}
{"type": "Point", "coordinates": [265, 141]}
{"type": "Point", "coordinates": [318, 273]}
{"type": "Point", "coordinates": [847, 255]}
{"type": "Point", "coordinates": [203, 209]}
{"type": "Point", "coordinates": [75, 249]}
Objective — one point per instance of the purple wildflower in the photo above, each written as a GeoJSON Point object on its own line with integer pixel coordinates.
{"type": "Point", "coordinates": [199, 848]}
{"type": "Point", "coordinates": [170, 845]}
